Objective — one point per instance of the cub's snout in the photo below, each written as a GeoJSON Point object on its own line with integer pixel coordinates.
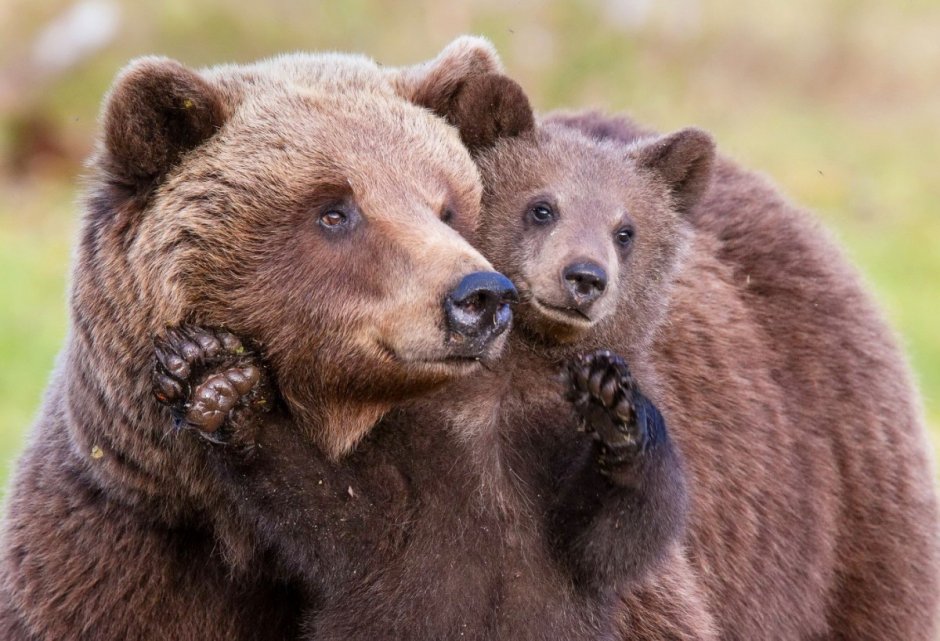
{"type": "Point", "coordinates": [585, 283]}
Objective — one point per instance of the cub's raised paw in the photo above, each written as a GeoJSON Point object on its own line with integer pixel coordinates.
{"type": "Point", "coordinates": [210, 380]}
{"type": "Point", "coordinates": [610, 405]}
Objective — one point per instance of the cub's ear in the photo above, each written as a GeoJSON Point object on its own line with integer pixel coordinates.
{"type": "Point", "coordinates": [156, 111]}
{"type": "Point", "coordinates": [487, 108]}
{"type": "Point", "coordinates": [684, 160]}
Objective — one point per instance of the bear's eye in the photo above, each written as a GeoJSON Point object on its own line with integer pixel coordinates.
{"type": "Point", "coordinates": [624, 236]}
{"type": "Point", "coordinates": [332, 219]}
{"type": "Point", "coordinates": [541, 213]}
{"type": "Point", "coordinates": [339, 218]}
{"type": "Point", "coordinates": [447, 216]}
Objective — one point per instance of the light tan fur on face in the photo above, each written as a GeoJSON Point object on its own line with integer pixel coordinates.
{"type": "Point", "coordinates": [570, 240]}
{"type": "Point", "coordinates": [401, 166]}
{"type": "Point", "coordinates": [595, 190]}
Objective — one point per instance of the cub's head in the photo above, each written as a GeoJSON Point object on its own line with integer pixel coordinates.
{"type": "Point", "coordinates": [590, 231]}
{"type": "Point", "coordinates": [303, 202]}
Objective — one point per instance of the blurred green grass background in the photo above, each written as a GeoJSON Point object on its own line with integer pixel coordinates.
{"type": "Point", "coordinates": [838, 100]}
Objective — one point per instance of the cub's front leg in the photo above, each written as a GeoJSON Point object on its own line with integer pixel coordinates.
{"type": "Point", "coordinates": [623, 501]}
{"type": "Point", "coordinates": [612, 409]}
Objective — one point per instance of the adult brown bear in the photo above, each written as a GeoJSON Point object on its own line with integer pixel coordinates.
{"type": "Point", "coordinates": [259, 196]}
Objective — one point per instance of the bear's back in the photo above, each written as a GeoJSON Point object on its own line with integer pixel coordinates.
{"type": "Point", "coordinates": [845, 380]}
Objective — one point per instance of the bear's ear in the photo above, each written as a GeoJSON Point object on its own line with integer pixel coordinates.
{"type": "Point", "coordinates": [433, 84]}
{"type": "Point", "coordinates": [684, 160]}
{"type": "Point", "coordinates": [487, 108]}
{"type": "Point", "coordinates": [156, 111]}
{"type": "Point", "coordinates": [464, 85]}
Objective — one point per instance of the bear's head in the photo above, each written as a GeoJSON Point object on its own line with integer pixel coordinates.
{"type": "Point", "coordinates": [590, 231]}
{"type": "Point", "coordinates": [305, 203]}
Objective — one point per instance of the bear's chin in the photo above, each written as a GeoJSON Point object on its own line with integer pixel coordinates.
{"type": "Point", "coordinates": [552, 330]}
{"type": "Point", "coordinates": [442, 370]}
{"type": "Point", "coordinates": [454, 359]}
{"type": "Point", "coordinates": [554, 324]}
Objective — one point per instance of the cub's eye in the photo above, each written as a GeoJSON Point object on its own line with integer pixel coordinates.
{"type": "Point", "coordinates": [541, 213]}
{"type": "Point", "coordinates": [624, 236]}
{"type": "Point", "coordinates": [332, 219]}
{"type": "Point", "coordinates": [447, 216]}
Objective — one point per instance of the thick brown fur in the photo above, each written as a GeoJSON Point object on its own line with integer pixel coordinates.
{"type": "Point", "coordinates": [206, 200]}
{"type": "Point", "coordinates": [813, 504]}
{"type": "Point", "coordinates": [482, 512]}
{"type": "Point", "coordinates": [420, 534]}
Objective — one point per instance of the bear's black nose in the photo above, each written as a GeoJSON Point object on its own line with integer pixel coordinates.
{"type": "Point", "coordinates": [586, 282]}
{"type": "Point", "coordinates": [478, 308]}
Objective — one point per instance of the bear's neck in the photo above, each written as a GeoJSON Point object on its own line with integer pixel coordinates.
{"type": "Point", "coordinates": [126, 440]}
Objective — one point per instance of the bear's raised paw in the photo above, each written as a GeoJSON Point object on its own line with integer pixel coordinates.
{"type": "Point", "coordinates": [207, 377]}
{"type": "Point", "coordinates": [610, 406]}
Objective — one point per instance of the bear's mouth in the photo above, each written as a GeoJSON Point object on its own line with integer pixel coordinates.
{"type": "Point", "coordinates": [567, 315]}
{"type": "Point", "coordinates": [449, 362]}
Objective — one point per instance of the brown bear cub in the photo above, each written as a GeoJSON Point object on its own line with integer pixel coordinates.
{"type": "Point", "coordinates": [868, 566]}
{"type": "Point", "coordinates": [498, 509]}
{"type": "Point", "coordinates": [258, 197]}
{"type": "Point", "coordinates": [813, 508]}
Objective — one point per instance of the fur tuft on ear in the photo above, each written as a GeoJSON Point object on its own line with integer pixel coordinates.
{"type": "Point", "coordinates": [465, 85]}
{"type": "Point", "coordinates": [683, 159]}
{"type": "Point", "coordinates": [157, 110]}
{"type": "Point", "coordinates": [434, 83]}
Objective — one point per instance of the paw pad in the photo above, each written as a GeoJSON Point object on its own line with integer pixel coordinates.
{"type": "Point", "coordinates": [204, 374]}
{"type": "Point", "coordinates": [606, 398]}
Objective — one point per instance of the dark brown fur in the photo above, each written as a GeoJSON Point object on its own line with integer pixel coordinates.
{"type": "Point", "coordinates": [481, 512]}
{"type": "Point", "coordinates": [204, 205]}
{"type": "Point", "coordinates": [419, 534]}
{"type": "Point", "coordinates": [814, 512]}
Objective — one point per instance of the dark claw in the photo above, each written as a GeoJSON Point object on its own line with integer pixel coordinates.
{"type": "Point", "coordinates": [188, 349]}
{"type": "Point", "coordinates": [624, 410]}
{"type": "Point", "coordinates": [172, 363]}
{"type": "Point", "coordinates": [208, 343]}
{"type": "Point", "coordinates": [609, 388]}
{"type": "Point", "coordinates": [167, 390]}
{"type": "Point", "coordinates": [595, 380]}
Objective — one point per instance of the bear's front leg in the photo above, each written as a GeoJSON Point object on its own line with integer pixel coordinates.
{"type": "Point", "coordinates": [611, 407]}
{"type": "Point", "coordinates": [212, 382]}
{"type": "Point", "coordinates": [623, 501]}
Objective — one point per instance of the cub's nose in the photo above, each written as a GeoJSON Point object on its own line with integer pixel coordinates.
{"type": "Point", "coordinates": [478, 307]}
{"type": "Point", "coordinates": [585, 282]}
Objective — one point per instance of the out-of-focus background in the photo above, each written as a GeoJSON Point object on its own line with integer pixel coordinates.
{"type": "Point", "coordinates": [838, 100]}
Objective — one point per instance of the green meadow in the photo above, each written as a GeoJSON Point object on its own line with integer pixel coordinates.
{"type": "Point", "coordinates": [837, 100]}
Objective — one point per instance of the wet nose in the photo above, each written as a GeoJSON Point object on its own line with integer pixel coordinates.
{"type": "Point", "coordinates": [478, 307]}
{"type": "Point", "coordinates": [585, 281]}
